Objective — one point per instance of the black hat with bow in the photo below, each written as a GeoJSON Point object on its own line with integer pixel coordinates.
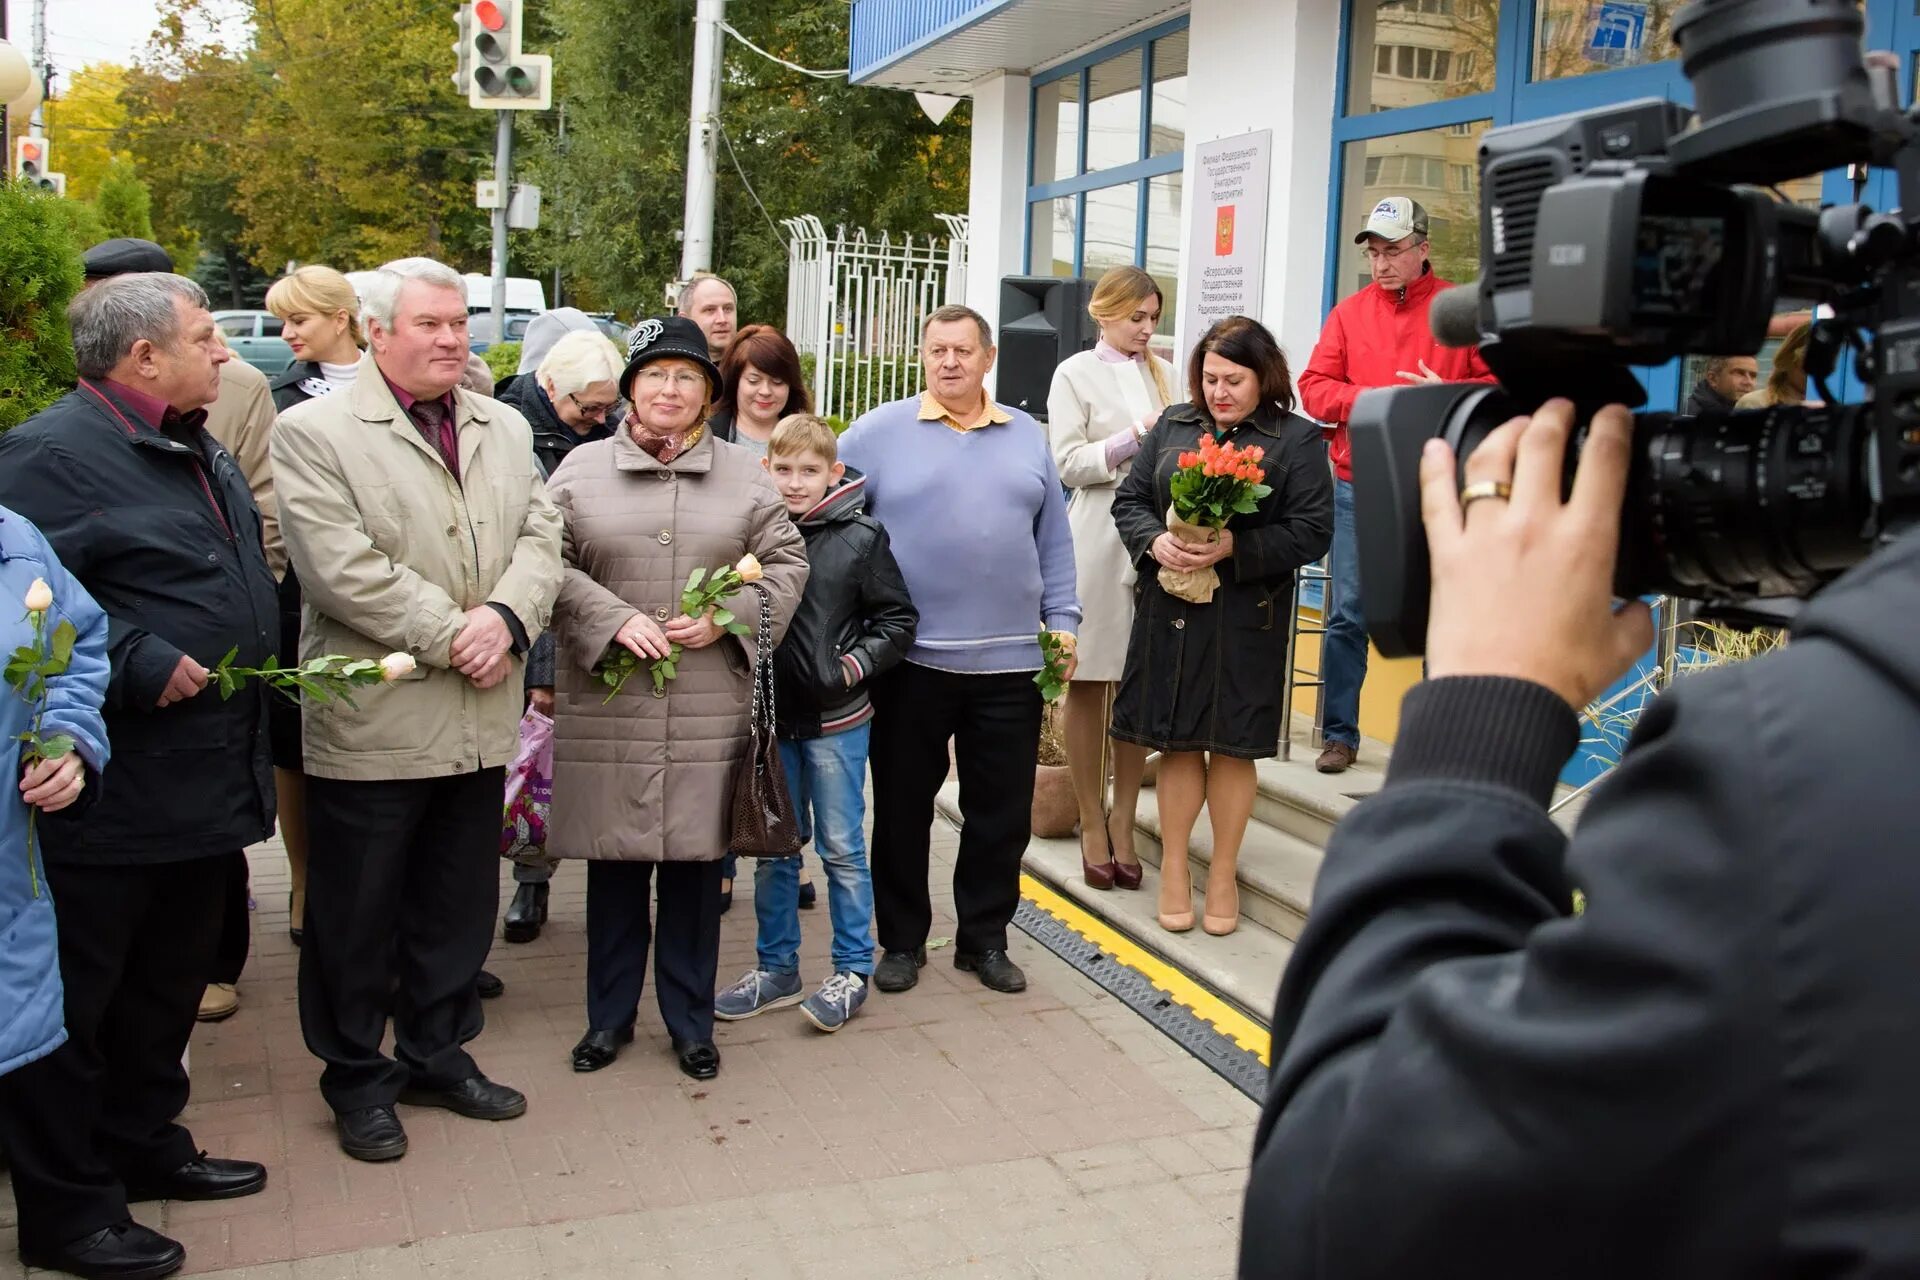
{"type": "Point", "coordinates": [674, 337]}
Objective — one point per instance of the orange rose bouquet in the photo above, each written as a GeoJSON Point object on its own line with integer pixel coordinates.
{"type": "Point", "coordinates": [1214, 483]}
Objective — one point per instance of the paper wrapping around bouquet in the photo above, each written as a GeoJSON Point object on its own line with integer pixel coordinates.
{"type": "Point", "coordinates": [1195, 586]}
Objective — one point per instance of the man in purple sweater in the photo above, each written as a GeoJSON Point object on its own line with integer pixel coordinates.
{"type": "Point", "coordinates": [970, 498]}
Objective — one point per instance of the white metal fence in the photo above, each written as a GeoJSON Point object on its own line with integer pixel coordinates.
{"type": "Point", "coordinates": [855, 306]}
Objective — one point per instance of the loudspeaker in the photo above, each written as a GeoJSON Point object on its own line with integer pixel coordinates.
{"type": "Point", "coordinates": [1043, 320]}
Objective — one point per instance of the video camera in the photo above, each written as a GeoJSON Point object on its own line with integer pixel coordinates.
{"type": "Point", "coordinates": [1612, 238]}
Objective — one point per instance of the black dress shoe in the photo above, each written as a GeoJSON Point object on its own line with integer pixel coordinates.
{"type": "Point", "coordinates": [371, 1133]}
{"type": "Point", "coordinates": [899, 970]}
{"type": "Point", "coordinates": [698, 1058]}
{"type": "Point", "coordinates": [598, 1049]}
{"type": "Point", "coordinates": [476, 1097]}
{"type": "Point", "coordinates": [489, 987]}
{"type": "Point", "coordinates": [202, 1178]}
{"type": "Point", "coordinates": [124, 1251]}
{"type": "Point", "coordinates": [526, 913]}
{"type": "Point", "coordinates": [996, 970]}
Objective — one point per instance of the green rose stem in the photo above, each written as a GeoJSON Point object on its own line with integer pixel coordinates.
{"type": "Point", "coordinates": [703, 592]}
{"type": "Point", "coordinates": [28, 670]}
{"type": "Point", "coordinates": [331, 676]}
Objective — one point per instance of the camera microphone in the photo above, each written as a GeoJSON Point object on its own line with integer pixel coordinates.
{"type": "Point", "coordinates": [1455, 315]}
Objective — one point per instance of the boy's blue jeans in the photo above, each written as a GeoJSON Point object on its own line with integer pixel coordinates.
{"type": "Point", "coordinates": [826, 777]}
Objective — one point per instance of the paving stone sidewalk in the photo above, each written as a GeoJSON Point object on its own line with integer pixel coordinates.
{"type": "Point", "coordinates": [949, 1131]}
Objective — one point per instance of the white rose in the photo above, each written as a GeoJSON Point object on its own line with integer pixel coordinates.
{"type": "Point", "coordinates": [39, 596]}
{"type": "Point", "coordinates": [396, 665]}
{"type": "Point", "coordinates": [749, 568]}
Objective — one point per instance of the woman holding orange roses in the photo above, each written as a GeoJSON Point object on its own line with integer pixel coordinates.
{"type": "Point", "coordinates": [642, 780]}
{"type": "Point", "coordinates": [1206, 663]}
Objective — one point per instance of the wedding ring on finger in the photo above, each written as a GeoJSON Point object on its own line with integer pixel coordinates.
{"type": "Point", "coordinates": [1484, 489]}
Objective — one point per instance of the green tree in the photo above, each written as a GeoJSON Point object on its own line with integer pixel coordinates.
{"type": "Point", "coordinates": [39, 274]}
{"type": "Point", "coordinates": [188, 103]}
{"type": "Point", "coordinates": [87, 122]}
{"type": "Point", "coordinates": [82, 220]}
{"type": "Point", "coordinates": [124, 204]}
{"type": "Point", "coordinates": [613, 191]}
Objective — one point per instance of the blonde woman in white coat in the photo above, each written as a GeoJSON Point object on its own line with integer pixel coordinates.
{"type": "Point", "coordinates": [1100, 407]}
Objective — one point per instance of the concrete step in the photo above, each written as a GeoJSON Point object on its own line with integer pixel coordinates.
{"type": "Point", "coordinates": [1297, 798]}
{"type": "Point", "coordinates": [1243, 968]}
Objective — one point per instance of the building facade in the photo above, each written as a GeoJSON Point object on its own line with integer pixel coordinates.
{"type": "Point", "coordinates": [1092, 121]}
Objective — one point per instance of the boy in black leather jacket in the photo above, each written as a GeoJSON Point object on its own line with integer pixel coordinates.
{"type": "Point", "coordinates": [854, 622]}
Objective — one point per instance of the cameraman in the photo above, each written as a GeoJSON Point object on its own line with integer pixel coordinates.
{"type": "Point", "coordinates": [1711, 1072]}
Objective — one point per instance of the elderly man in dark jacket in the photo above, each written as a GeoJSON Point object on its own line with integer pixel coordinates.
{"type": "Point", "coordinates": [1707, 1073]}
{"type": "Point", "coordinates": [154, 518]}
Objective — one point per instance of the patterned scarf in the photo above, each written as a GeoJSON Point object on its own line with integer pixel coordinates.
{"type": "Point", "coordinates": [664, 448]}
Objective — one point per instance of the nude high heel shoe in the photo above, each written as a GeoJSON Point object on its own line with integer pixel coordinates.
{"type": "Point", "coordinates": [1176, 921]}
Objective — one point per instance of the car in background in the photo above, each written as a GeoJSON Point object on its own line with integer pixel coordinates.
{"type": "Point", "coordinates": [480, 334]}
{"type": "Point", "coordinates": [254, 336]}
{"type": "Point", "coordinates": [480, 328]}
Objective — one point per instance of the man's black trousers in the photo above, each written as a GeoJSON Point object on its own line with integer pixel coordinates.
{"type": "Point", "coordinates": [993, 722]}
{"type": "Point", "coordinates": [136, 950]}
{"type": "Point", "coordinates": [404, 882]}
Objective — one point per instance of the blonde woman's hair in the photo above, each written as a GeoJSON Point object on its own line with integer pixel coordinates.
{"type": "Point", "coordinates": [578, 360]}
{"type": "Point", "coordinates": [316, 290]}
{"type": "Point", "coordinates": [1119, 294]}
{"type": "Point", "coordinates": [1789, 367]}
{"type": "Point", "coordinates": [799, 433]}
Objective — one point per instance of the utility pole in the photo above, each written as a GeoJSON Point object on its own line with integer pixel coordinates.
{"type": "Point", "coordinates": [703, 139]}
{"type": "Point", "coordinates": [502, 174]}
{"type": "Point", "coordinates": [42, 64]}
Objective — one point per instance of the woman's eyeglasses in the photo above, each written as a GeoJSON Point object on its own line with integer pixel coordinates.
{"type": "Point", "coordinates": [654, 379]}
{"type": "Point", "coordinates": [592, 410]}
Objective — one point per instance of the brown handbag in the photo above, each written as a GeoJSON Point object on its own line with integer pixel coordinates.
{"type": "Point", "coordinates": [764, 824]}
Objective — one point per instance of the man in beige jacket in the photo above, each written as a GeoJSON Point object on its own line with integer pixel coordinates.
{"type": "Point", "coordinates": [414, 514]}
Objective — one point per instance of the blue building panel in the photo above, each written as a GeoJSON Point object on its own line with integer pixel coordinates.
{"type": "Point", "coordinates": [882, 32]}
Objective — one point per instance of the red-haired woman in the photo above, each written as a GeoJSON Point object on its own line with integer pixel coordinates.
{"type": "Point", "coordinates": [1203, 682]}
{"type": "Point", "coordinates": [760, 383]}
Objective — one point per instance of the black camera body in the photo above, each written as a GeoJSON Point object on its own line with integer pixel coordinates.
{"type": "Point", "coordinates": [1613, 238]}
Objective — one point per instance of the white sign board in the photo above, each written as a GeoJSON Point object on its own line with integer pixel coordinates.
{"type": "Point", "coordinates": [1227, 245]}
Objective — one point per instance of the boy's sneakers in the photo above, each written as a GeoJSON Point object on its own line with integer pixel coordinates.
{"type": "Point", "coordinates": [837, 1000]}
{"type": "Point", "coordinates": [758, 992]}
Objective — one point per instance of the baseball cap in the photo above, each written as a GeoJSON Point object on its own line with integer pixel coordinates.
{"type": "Point", "coordinates": [1394, 218]}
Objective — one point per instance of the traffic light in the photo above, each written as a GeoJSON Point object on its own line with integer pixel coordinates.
{"type": "Point", "coordinates": [499, 75]}
{"type": "Point", "coordinates": [463, 50]}
{"type": "Point", "coordinates": [33, 164]}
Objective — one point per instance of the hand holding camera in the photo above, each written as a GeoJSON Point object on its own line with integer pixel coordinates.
{"type": "Point", "coordinates": [1543, 565]}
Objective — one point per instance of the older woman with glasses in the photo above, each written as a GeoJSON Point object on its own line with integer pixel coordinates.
{"type": "Point", "coordinates": [567, 398]}
{"type": "Point", "coordinates": [644, 779]}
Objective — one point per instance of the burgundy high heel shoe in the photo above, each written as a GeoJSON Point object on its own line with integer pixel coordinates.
{"type": "Point", "coordinates": [1124, 876]}
{"type": "Point", "coordinates": [1099, 875]}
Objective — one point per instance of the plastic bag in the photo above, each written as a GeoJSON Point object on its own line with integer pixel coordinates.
{"type": "Point", "coordinates": [529, 799]}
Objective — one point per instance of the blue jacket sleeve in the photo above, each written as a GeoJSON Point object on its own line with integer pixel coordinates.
{"type": "Point", "coordinates": [1059, 587]}
{"type": "Point", "coordinates": [74, 698]}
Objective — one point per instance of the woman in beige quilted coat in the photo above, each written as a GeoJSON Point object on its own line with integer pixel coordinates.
{"type": "Point", "coordinates": [647, 777]}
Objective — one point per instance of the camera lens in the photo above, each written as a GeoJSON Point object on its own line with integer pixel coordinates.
{"type": "Point", "coordinates": [1769, 502]}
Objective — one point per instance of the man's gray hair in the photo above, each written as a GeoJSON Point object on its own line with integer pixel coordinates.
{"type": "Point", "coordinates": [685, 303]}
{"type": "Point", "coordinates": [380, 290]}
{"type": "Point", "coordinates": [109, 317]}
{"type": "Point", "coordinates": [954, 312]}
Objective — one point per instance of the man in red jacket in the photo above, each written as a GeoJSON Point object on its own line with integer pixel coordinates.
{"type": "Point", "coordinates": [1378, 337]}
